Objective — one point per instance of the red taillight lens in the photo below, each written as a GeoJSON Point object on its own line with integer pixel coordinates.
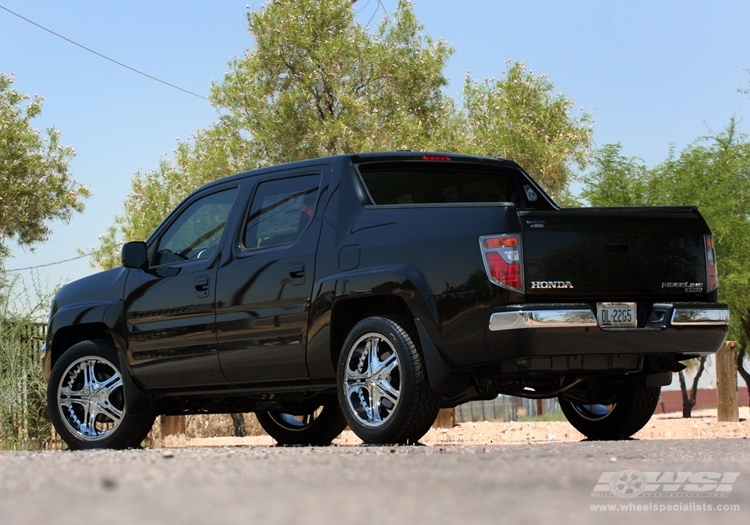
{"type": "Point", "coordinates": [502, 260]}
{"type": "Point", "coordinates": [712, 277]}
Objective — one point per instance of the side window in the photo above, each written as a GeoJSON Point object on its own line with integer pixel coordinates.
{"type": "Point", "coordinates": [280, 211]}
{"type": "Point", "coordinates": [197, 231]}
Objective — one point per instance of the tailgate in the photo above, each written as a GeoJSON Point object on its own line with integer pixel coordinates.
{"type": "Point", "coordinates": [615, 253]}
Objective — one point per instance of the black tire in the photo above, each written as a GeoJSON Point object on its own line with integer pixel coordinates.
{"type": "Point", "coordinates": [316, 428]}
{"type": "Point", "coordinates": [634, 406]}
{"type": "Point", "coordinates": [380, 357]}
{"type": "Point", "coordinates": [86, 400]}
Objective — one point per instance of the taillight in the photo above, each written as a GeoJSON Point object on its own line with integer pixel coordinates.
{"type": "Point", "coordinates": [712, 278]}
{"type": "Point", "coordinates": [502, 260]}
{"type": "Point", "coordinates": [442, 158]}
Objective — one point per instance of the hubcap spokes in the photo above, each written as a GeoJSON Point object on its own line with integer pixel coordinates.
{"type": "Point", "coordinates": [90, 398]}
{"type": "Point", "coordinates": [373, 379]}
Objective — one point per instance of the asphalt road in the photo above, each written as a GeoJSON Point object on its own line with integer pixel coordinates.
{"type": "Point", "coordinates": [550, 483]}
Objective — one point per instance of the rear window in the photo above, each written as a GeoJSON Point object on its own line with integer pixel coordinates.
{"type": "Point", "coordinates": [420, 183]}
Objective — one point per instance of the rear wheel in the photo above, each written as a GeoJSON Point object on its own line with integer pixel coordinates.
{"type": "Point", "coordinates": [317, 427]}
{"type": "Point", "coordinates": [620, 419]}
{"type": "Point", "coordinates": [86, 400]}
{"type": "Point", "coordinates": [382, 384]}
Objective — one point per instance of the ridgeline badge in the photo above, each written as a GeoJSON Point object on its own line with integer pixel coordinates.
{"type": "Point", "coordinates": [688, 287]}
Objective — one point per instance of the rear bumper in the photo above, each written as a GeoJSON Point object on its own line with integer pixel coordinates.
{"type": "Point", "coordinates": [662, 316]}
{"type": "Point", "coordinates": [571, 331]}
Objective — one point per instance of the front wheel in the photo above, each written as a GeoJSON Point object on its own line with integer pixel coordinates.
{"type": "Point", "coordinates": [382, 384]}
{"type": "Point", "coordinates": [634, 406]}
{"type": "Point", "coordinates": [309, 427]}
{"type": "Point", "coordinates": [86, 400]}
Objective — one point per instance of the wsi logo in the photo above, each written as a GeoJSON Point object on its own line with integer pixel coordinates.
{"type": "Point", "coordinates": [545, 285]}
{"type": "Point", "coordinates": [634, 483]}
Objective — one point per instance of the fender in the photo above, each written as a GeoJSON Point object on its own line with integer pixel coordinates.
{"type": "Point", "coordinates": [402, 280]}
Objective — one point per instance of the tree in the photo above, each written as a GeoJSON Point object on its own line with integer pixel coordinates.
{"type": "Point", "coordinates": [318, 83]}
{"type": "Point", "coordinates": [35, 183]}
{"type": "Point", "coordinates": [520, 117]}
{"type": "Point", "coordinates": [615, 180]}
{"type": "Point", "coordinates": [689, 399]}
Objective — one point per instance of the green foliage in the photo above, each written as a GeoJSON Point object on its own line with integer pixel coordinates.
{"type": "Point", "coordinates": [520, 117]}
{"type": "Point", "coordinates": [615, 180]}
{"type": "Point", "coordinates": [318, 83]}
{"type": "Point", "coordinates": [35, 184]}
{"type": "Point", "coordinates": [23, 401]}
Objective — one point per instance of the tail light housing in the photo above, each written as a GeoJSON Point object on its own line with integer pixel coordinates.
{"type": "Point", "coordinates": [502, 260]}
{"type": "Point", "coordinates": [712, 277]}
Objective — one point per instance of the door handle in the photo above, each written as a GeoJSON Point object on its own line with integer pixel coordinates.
{"type": "Point", "coordinates": [201, 286]}
{"type": "Point", "coordinates": [297, 273]}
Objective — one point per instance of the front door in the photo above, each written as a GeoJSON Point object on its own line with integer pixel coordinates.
{"type": "Point", "coordinates": [169, 308]}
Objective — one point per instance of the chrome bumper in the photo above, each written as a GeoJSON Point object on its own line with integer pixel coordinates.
{"type": "Point", "coordinates": [581, 316]}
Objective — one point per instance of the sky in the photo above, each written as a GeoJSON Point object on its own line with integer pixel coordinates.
{"type": "Point", "coordinates": [652, 73]}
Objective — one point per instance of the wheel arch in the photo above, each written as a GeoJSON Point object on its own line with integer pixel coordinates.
{"type": "Point", "coordinates": [74, 324]}
{"type": "Point", "coordinates": [65, 338]}
{"type": "Point", "coordinates": [343, 299]}
{"type": "Point", "coordinates": [347, 313]}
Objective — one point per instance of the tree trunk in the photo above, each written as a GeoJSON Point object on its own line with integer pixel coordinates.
{"type": "Point", "coordinates": [689, 399]}
{"type": "Point", "coordinates": [238, 420]}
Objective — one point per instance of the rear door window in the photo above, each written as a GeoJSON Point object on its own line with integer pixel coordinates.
{"type": "Point", "coordinates": [280, 211]}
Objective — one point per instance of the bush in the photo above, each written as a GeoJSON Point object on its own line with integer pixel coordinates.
{"type": "Point", "coordinates": [23, 402]}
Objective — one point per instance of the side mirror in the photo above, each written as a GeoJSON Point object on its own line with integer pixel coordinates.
{"type": "Point", "coordinates": [134, 255]}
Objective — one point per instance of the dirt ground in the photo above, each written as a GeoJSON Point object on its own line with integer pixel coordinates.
{"type": "Point", "coordinates": [703, 425]}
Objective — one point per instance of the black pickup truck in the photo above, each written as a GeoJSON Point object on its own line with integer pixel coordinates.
{"type": "Point", "coordinates": [372, 290]}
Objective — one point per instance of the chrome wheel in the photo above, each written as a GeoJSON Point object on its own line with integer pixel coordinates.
{"type": "Point", "coordinates": [633, 404]}
{"type": "Point", "coordinates": [90, 398]}
{"type": "Point", "coordinates": [316, 427]}
{"type": "Point", "coordinates": [295, 423]}
{"type": "Point", "coordinates": [373, 379]}
{"type": "Point", "coordinates": [594, 412]}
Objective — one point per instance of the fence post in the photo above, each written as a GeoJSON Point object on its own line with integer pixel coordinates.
{"type": "Point", "coordinates": [726, 383]}
{"type": "Point", "coordinates": [171, 425]}
{"type": "Point", "coordinates": [446, 418]}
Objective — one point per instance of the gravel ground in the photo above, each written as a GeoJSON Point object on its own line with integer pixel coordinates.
{"type": "Point", "coordinates": [703, 425]}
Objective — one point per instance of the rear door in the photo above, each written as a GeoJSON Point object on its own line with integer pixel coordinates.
{"type": "Point", "coordinates": [263, 294]}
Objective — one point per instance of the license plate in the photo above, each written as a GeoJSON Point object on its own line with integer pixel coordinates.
{"type": "Point", "coordinates": [616, 315]}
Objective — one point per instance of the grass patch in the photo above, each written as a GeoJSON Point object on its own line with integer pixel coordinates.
{"type": "Point", "coordinates": [556, 415]}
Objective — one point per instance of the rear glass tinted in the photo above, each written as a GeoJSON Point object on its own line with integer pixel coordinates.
{"type": "Point", "coordinates": [430, 184]}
